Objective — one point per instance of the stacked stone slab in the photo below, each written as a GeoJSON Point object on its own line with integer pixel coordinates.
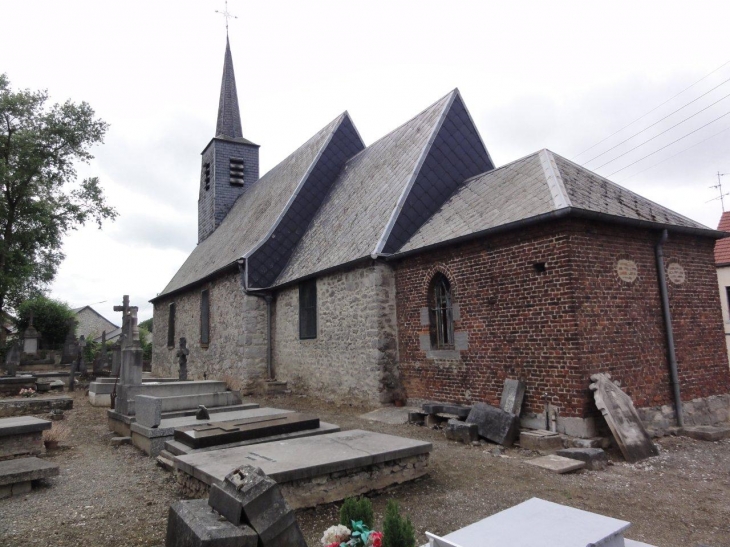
{"type": "Point", "coordinates": [17, 475]}
{"type": "Point", "coordinates": [22, 436]}
{"type": "Point", "coordinates": [253, 511]}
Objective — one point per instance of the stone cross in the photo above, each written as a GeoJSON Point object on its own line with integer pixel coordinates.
{"type": "Point", "coordinates": [124, 308]}
{"type": "Point", "coordinates": [182, 356]}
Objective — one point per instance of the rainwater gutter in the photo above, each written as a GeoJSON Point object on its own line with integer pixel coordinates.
{"type": "Point", "coordinates": [671, 353]}
{"type": "Point", "coordinates": [268, 298]}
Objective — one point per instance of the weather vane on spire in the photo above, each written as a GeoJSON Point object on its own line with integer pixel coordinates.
{"type": "Point", "coordinates": [228, 15]}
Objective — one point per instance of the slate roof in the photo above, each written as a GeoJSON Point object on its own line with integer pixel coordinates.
{"type": "Point", "coordinates": [255, 213]}
{"type": "Point", "coordinates": [539, 184]}
{"type": "Point", "coordinates": [722, 246]}
{"type": "Point", "coordinates": [229, 116]}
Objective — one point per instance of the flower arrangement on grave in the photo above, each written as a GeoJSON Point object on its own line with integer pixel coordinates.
{"type": "Point", "coordinates": [358, 536]}
{"type": "Point", "coordinates": [29, 392]}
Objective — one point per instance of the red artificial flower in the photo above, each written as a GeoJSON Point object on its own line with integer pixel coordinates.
{"type": "Point", "coordinates": [376, 538]}
{"type": "Point", "coordinates": [334, 544]}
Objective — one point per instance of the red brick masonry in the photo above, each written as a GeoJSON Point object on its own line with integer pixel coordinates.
{"type": "Point", "coordinates": [554, 328]}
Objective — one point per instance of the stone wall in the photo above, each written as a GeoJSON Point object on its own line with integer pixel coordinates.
{"type": "Point", "coordinates": [237, 349]}
{"type": "Point", "coordinates": [354, 355]}
{"type": "Point", "coordinates": [713, 410]}
{"type": "Point", "coordinates": [557, 302]}
{"type": "Point", "coordinates": [91, 324]}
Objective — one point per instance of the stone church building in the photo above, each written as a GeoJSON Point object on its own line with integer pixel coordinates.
{"type": "Point", "coordinates": [415, 268]}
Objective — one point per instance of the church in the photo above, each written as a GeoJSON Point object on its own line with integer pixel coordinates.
{"type": "Point", "coordinates": [414, 268]}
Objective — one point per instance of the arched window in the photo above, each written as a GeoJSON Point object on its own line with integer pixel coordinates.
{"type": "Point", "coordinates": [442, 319]}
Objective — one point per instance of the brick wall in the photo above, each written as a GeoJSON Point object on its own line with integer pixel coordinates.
{"type": "Point", "coordinates": [237, 346]}
{"type": "Point", "coordinates": [554, 328]}
{"type": "Point", "coordinates": [354, 355]}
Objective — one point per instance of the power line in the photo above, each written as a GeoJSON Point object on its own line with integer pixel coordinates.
{"type": "Point", "coordinates": [675, 155]}
{"type": "Point", "coordinates": [668, 145]}
{"type": "Point", "coordinates": [652, 110]}
{"type": "Point", "coordinates": [662, 133]}
{"type": "Point", "coordinates": [659, 121]}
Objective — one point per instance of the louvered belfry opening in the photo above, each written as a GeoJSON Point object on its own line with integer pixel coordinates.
{"type": "Point", "coordinates": [236, 171]}
{"type": "Point", "coordinates": [442, 319]}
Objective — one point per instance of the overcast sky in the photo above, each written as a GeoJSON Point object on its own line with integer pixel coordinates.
{"type": "Point", "coordinates": [557, 75]}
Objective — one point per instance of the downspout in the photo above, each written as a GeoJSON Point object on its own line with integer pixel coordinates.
{"type": "Point", "coordinates": [268, 297]}
{"type": "Point", "coordinates": [671, 353]}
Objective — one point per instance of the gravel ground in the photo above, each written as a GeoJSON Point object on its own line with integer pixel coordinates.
{"type": "Point", "coordinates": [118, 497]}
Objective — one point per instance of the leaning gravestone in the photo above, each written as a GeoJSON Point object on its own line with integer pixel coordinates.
{"type": "Point", "coordinates": [12, 359]}
{"type": "Point", "coordinates": [494, 423]}
{"type": "Point", "coordinates": [623, 420]}
{"type": "Point", "coordinates": [512, 396]}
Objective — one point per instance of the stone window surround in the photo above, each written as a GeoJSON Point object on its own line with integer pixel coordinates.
{"type": "Point", "coordinates": [461, 338]}
{"type": "Point", "coordinates": [171, 326]}
{"type": "Point", "coordinates": [310, 284]}
{"type": "Point", "coordinates": [204, 301]}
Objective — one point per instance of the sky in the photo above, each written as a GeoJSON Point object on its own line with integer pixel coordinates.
{"type": "Point", "coordinates": [557, 75]}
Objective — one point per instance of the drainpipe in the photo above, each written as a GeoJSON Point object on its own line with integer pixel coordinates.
{"type": "Point", "coordinates": [658, 250]}
{"type": "Point", "coordinates": [268, 297]}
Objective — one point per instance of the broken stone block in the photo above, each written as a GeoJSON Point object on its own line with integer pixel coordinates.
{"type": "Point", "coordinates": [456, 430]}
{"type": "Point", "coordinates": [557, 464]}
{"type": "Point", "coordinates": [417, 418]}
{"type": "Point", "coordinates": [118, 441]}
{"type": "Point", "coordinates": [542, 441]}
{"type": "Point", "coordinates": [494, 423]}
{"type": "Point", "coordinates": [594, 458]}
{"type": "Point", "coordinates": [512, 396]}
{"type": "Point", "coordinates": [460, 411]}
{"type": "Point", "coordinates": [705, 432]}
{"type": "Point", "coordinates": [192, 523]}
{"type": "Point", "coordinates": [248, 496]}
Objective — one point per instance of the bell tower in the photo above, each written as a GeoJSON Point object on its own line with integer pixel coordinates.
{"type": "Point", "coordinates": [230, 163]}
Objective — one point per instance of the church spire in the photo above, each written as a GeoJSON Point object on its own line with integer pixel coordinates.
{"type": "Point", "coordinates": [229, 116]}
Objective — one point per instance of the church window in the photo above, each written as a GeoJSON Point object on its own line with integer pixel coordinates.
{"type": "Point", "coordinates": [206, 174]}
{"type": "Point", "coordinates": [236, 165]}
{"type": "Point", "coordinates": [171, 326]}
{"type": "Point", "coordinates": [308, 309]}
{"type": "Point", "coordinates": [441, 313]}
{"type": "Point", "coordinates": [205, 317]}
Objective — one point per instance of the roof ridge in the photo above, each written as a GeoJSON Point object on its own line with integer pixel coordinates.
{"type": "Point", "coordinates": [554, 180]}
{"type": "Point", "coordinates": [414, 174]}
{"type": "Point", "coordinates": [623, 188]}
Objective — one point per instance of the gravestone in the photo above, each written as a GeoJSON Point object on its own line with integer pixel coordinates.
{"type": "Point", "coordinates": [182, 356]}
{"type": "Point", "coordinates": [494, 423]}
{"type": "Point", "coordinates": [247, 496]}
{"type": "Point", "coordinates": [116, 357]}
{"type": "Point", "coordinates": [69, 345]}
{"type": "Point", "coordinates": [217, 433]}
{"type": "Point", "coordinates": [191, 523]}
{"type": "Point", "coordinates": [623, 420]}
{"type": "Point", "coordinates": [81, 360]}
{"type": "Point", "coordinates": [12, 359]}
{"type": "Point", "coordinates": [512, 396]}
{"type": "Point", "coordinates": [30, 338]}
{"type": "Point", "coordinates": [101, 361]}
{"type": "Point", "coordinates": [130, 374]}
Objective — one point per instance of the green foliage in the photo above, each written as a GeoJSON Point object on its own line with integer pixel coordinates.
{"type": "Point", "coordinates": [145, 338]}
{"type": "Point", "coordinates": [91, 351]}
{"type": "Point", "coordinates": [146, 324]}
{"type": "Point", "coordinates": [50, 318]}
{"type": "Point", "coordinates": [41, 199]}
{"type": "Point", "coordinates": [397, 530]}
{"type": "Point", "coordinates": [357, 509]}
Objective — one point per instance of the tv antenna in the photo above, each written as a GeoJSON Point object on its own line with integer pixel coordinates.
{"type": "Point", "coordinates": [718, 186]}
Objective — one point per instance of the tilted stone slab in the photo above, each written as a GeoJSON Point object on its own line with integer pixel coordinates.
{"type": "Point", "coordinates": [19, 425]}
{"type": "Point", "coordinates": [460, 411]}
{"type": "Point", "coordinates": [192, 523]}
{"type": "Point", "coordinates": [463, 432]}
{"type": "Point", "coordinates": [26, 469]}
{"type": "Point", "coordinates": [494, 423]}
{"type": "Point", "coordinates": [623, 420]}
{"type": "Point", "coordinates": [303, 458]}
{"type": "Point", "coordinates": [512, 396]}
{"type": "Point", "coordinates": [594, 458]}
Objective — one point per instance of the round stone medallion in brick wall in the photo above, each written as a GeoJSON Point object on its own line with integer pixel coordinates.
{"type": "Point", "coordinates": [676, 274]}
{"type": "Point", "coordinates": [627, 270]}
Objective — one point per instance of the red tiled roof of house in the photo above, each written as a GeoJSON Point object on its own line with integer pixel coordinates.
{"type": "Point", "coordinates": [722, 246]}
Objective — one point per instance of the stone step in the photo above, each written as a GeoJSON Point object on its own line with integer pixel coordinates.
{"type": "Point", "coordinates": [166, 461]}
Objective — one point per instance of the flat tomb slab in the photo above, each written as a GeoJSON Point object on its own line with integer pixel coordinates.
{"type": "Point", "coordinates": [705, 432]}
{"type": "Point", "coordinates": [12, 385]}
{"type": "Point", "coordinates": [19, 425]}
{"type": "Point", "coordinates": [550, 525]}
{"type": "Point", "coordinates": [557, 464]}
{"type": "Point", "coordinates": [34, 405]}
{"type": "Point", "coordinates": [222, 432]}
{"type": "Point", "coordinates": [26, 469]}
{"type": "Point", "coordinates": [176, 448]}
{"type": "Point", "coordinates": [303, 458]}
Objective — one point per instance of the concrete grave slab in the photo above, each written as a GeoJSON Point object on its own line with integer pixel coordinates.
{"type": "Point", "coordinates": [176, 448]}
{"type": "Point", "coordinates": [705, 432]}
{"type": "Point", "coordinates": [594, 458]}
{"type": "Point", "coordinates": [20, 425]}
{"type": "Point", "coordinates": [550, 525]}
{"type": "Point", "coordinates": [512, 396]}
{"type": "Point", "coordinates": [388, 415]}
{"type": "Point", "coordinates": [304, 467]}
{"type": "Point", "coordinates": [557, 464]}
{"type": "Point", "coordinates": [494, 423]}
{"type": "Point", "coordinates": [16, 475]}
{"type": "Point", "coordinates": [541, 440]}
{"type": "Point", "coordinates": [192, 523]}
{"type": "Point", "coordinates": [11, 385]}
{"type": "Point", "coordinates": [623, 420]}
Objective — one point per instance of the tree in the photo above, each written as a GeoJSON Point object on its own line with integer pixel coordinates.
{"type": "Point", "coordinates": [147, 324]}
{"type": "Point", "coordinates": [41, 199]}
{"type": "Point", "coordinates": [50, 318]}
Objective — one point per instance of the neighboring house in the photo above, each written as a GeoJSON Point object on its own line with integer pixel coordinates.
{"type": "Point", "coordinates": [722, 263]}
{"type": "Point", "coordinates": [413, 267]}
{"type": "Point", "coordinates": [111, 336]}
{"type": "Point", "coordinates": [92, 323]}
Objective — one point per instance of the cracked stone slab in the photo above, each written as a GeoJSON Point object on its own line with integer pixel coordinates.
{"type": "Point", "coordinates": [303, 458]}
{"type": "Point", "coordinates": [557, 464]}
